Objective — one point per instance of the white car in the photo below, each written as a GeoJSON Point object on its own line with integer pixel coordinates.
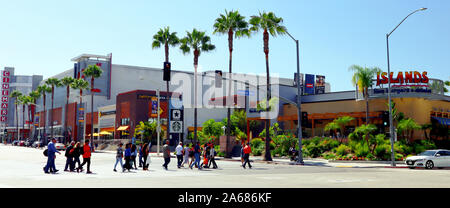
{"type": "Point", "coordinates": [60, 146]}
{"type": "Point", "coordinates": [430, 159]}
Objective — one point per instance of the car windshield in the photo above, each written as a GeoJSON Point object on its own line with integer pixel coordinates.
{"type": "Point", "coordinates": [428, 153]}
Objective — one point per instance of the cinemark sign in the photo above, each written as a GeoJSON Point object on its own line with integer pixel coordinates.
{"type": "Point", "coordinates": [5, 96]}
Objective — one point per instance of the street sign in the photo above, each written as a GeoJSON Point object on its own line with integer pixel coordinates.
{"type": "Point", "coordinates": [176, 127]}
{"type": "Point", "coordinates": [176, 115]}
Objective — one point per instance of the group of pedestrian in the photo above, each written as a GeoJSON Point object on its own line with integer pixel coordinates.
{"type": "Point", "coordinates": [130, 154]}
{"type": "Point", "coordinates": [72, 154]}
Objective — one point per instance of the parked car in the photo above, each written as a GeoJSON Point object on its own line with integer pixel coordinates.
{"type": "Point", "coordinates": [22, 143]}
{"type": "Point", "coordinates": [15, 142]}
{"type": "Point", "coordinates": [430, 159]}
{"type": "Point", "coordinates": [60, 146]}
{"type": "Point", "coordinates": [28, 143]}
{"type": "Point", "coordinates": [38, 144]}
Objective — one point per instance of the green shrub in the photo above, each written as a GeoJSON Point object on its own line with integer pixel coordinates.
{"type": "Point", "coordinates": [329, 155]}
{"type": "Point", "coordinates": [361, 150]}
{"type": "Point", "coordinates": [382, 152]}
{"type": "Point", "coordinates": [342, 150]}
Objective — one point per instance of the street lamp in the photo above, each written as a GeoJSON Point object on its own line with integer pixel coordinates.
{"type": "Point", "coordinates": [299, 105]}
{"type": "Point", "coordinates": [391, 126]}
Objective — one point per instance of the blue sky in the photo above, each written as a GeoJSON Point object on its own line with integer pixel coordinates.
{"type": "Point", "coordinates": [40, 37]}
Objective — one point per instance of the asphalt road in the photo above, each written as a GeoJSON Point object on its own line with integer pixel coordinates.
{"type": "Point", "coordinates": [22, 167]}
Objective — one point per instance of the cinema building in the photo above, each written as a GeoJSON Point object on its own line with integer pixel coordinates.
{"type": "Point", "coordinates": [9, 118]}
{"type": "Point", "coordinates": [126, 95]}
{"type": "Point", "coordinates": [419, 98]}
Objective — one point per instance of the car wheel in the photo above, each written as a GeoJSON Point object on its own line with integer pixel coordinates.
{"type": "Point", "coordinates": [429, 164]}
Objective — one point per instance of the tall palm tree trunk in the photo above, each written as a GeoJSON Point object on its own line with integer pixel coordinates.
{"type": "Point", "coordinates": [196, 53]}
{"type": "Point", "coordinates": [23, 121]}
{"type": "Point", "coordinates": [166, 47]}
{"type": "Point", "coordinates": [267, 157]}
{"type": "Point", "coordinates": [367, 106]}
{"type": "Point", "coordinates": [45, 121]}
{"type": "Point", "coordinates": [65, 114]}
{"type": "Point", "coordinates": [92, 113]}
{"type": "Point", "coordinates": [17, 122]}
{"type": "Point", "coordinates": [230, 47]}
{"type": "Point", "coordinates": [51, 114]}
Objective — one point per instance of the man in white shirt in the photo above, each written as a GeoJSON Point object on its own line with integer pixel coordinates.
{"type": "Point", "coordinates": [179, 153]}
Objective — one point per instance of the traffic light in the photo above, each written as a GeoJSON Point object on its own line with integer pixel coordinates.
{"type": "Point", "coordinates": [304, 119]}
{"type": "Point", "coordinates": [385, 117]}
{"type": "Point", "coordinates": [166, 70]}
{"type": "Point", "coordinates": [218, 78]}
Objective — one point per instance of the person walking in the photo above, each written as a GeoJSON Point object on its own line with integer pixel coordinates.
{"type": "Point", "coordinates": [77, 151]}
{"type": "Point", "coordinates": [247, 151]}
{"type": "Point", "coordinates": [191, 154]}
{"type": "Point", "coordinates": [197, 156]}
{"type": "Point", "coordinates": [119, 156]}
{"type": "Point", "coordinates": [206, 155]}
{"type": "Point", "coordinates": [69, 157]}
{"type": "Point", "coordinates": [166, 154]}
{"type": "Point", "coordinates": [179, 153]}
{"type": "Point", "coordinates": [86, 157]}
{"type": "Point", "coordinates": [51, 157]}
{"type": "Point", "coordinates": [140, 155]}
{"type": "Point", "coordinates": [145, 156]}
{"type": "Point", "coordinates": [242, 154]}
{"type": "Point", "coordinates": [212, 154]}
{"type": "Point", "coordinates": [186, 153]}
{"type": "Point", "coordinates": [127, 157]}
{"type": "Point", "coordinates": [133, 155]}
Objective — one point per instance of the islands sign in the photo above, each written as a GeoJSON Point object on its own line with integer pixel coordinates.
{"type": "Point", "coordinates": [407, 79]}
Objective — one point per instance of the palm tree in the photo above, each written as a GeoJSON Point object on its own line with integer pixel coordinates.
{"type": "Point", "coordinates": [342, 122]}
{"type": "Point", "coordinates": [362, 77]}
{"type": "Point", "coordinates": [406, 127]}
{"type": "Point", "coordinates": [25, 100]}
{"type": "Point", "coordinates": [43, 89]}
{"type": "Point", "coordinates": [34, 95]}
{"type": "Point", "coordinates": [79, 84]}
{"type": "Point", "coordinates": [199, 42]}
{"type": "Point", "coordinates": [231, 22]}
{"type": "Point", "coordinates": [166, 38]}
{"type": "Point", "coordinates": [16, 94]}
{"type": "Point", "coordinates": [53, 82]}
{"type": "Point", "coordinates": [332, 126]}
{"type": "Point", "coordinates": [93, 71]}
{"type": "Point", "coordinates": [270, 24]}
{"type": "Point", "coordinates": [66, 81]}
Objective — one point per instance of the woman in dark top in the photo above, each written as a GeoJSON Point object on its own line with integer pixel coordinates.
{"type": "Point", "coordinates": [144, 156]}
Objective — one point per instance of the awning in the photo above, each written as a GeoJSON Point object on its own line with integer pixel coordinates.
{"type": "Point", "coordinates": [443, 121]}
{"type": "Point", "coordinates": [95, 134]}
{"type": "Point", "coordinates": [104, 133]}
{"type": "Point", "coordinates": [122, 128]}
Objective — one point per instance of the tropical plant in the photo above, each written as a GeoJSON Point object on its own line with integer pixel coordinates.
{"type": "Point", "coordinates": [406, 128]}
{"type": "Point", "coordinates": [270, 24]}
{"type": "Point", "coordinates": [231, 23]}
{"type": "Point", "coordinates": [146, 130]}
{"type": "Point", "coordinates": [425, 128]}
{"type": "Point", "coordinates": [53, 82]}
{"type": "Point", "coordinates": [79, 84]}
{"type": "Point", "coordinates": [66, 81]}
{"type": "Point", "coordinates": [342, 122]}
{"type": "Point", "coordinates": [363, 132]}
{"type": "Point", "coordinates": [212, 128]}
{"type": "Point", "coordinates": [447, 83]}
{"type": "Point", "coordinates": [362, 78]}
{"type": "Point", "coordinates": [44, 89]}
{"type": "Point", "coordinates": [16, 94]}
{"type": "Point", "coordinates": [92, 71]}
{"type": "Point", "coordinates": [332, 126]}
{"type": "Point", "coordinates": [166, 38]}
{"type": "Point", "coordinates": [198, 42]}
